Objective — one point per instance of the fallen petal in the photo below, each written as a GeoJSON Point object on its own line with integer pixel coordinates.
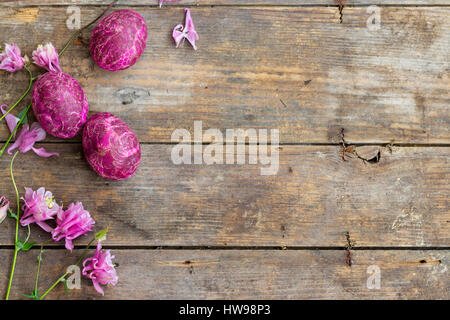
{"type": "Point", "coordinates": [11, 120]}
{"type": "Point", "coordinates": [42, 153]}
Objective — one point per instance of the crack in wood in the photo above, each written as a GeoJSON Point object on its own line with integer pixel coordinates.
{"type": "Point", "coordinates": [348, 257]}
{"type": "Point", "coordinates": [341, 5]}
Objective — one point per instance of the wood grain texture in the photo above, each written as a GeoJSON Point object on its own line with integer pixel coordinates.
{"type": "Point", "coordinates": [313, 200]}
{"type": "Point", "coordinates": [295, 69]}
{"type": "Point", "coordinates": [236, 274]}
{"type": "Point", "coordinates": [223, 2]}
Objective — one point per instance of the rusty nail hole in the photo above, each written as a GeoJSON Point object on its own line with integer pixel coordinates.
{"type": "Point", "coordinates": [187, 262]}
{"type": "Point", "coordinates": [345, 148]}
{"type": "Point", "coordinates": [423, 261]}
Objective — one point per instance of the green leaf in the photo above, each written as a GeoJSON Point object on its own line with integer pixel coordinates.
{"type": "Point", "coordinates": [25, 120]}
{"type": "Point", "coordinates": [66, 286]}
{"type": "Point", "coordinates": [11, 214]}
{"type": "Point", "coordinates": [33, 296]}
{"type": "Point", "coordinates": [27, 246]}
{"type": "Point", "coordinates": [101, 234]}
{"type": "Point", "coordinates": [24, 246]}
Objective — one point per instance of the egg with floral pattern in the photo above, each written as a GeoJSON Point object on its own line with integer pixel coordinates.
{"type": "Point", "coordinates": [111, 147]}
{"type": "Point", "coordinates": [118, 40]}
{"type": "Point", "coordinates": [59, 104]}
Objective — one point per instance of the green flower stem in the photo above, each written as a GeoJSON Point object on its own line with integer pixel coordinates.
{"type": "Point", "coordinates": [77, 33]}
{"type": "Point", "coordinates": [17, 227]}
{"type": "Point", "coordinates": [38, 268]}
{"type": "Point", "coordinates": [65, 274]}
{"type": "Point", "coordinates": [54, 285]}
{"type": "Point", "coordinates": [24, 95]}
{"type": "Point", "coordinates": [15, 129]}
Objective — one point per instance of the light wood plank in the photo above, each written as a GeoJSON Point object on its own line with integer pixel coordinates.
{"type": "Point", "coordinates": [295, 69]}
{"type": "Point", "coordinates": [313, 200]}
{"type": "Point", "coordinates": [236, 274]}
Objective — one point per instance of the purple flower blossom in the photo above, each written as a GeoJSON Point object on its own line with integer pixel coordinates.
{"type": "Point", "coordinates": [11, 59]}
{"type": "Point", "coordinates": [47, 57]}
{"type": "Point", "coordinates": [100, 269]}
{"type": "Point", "coordinates": [11, 120]}
{"type": "Point", "coordinates": [39, 206]}
{"type": "Point", "coordinates": [72, 223]}
{"type": "Point", "coordinates": [28, 137]}
{"type": "Point", "coordinates": [4, 206]}
{"type": "Point", "coordinates": [187, 32]}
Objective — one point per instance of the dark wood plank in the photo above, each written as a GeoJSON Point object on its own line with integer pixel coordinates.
{"type": "Point", "coordinates": [295, 69]}
{"type": "Point", "coordinates": [236, 274]}
{"type": "Point", "coordinates": [313, 200]}
{"type": "Point", "coordinates": [227, 2]}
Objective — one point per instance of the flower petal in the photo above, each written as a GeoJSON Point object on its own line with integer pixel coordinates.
{"type": "Point", "coordinates": [19, 139]}
{"type": "Point", "coordinates": [4, 206]}
{"type": "Point", "coordinates": [37, 129]}
{"type": "Point", "coordinates": [98, 288]}
{"type": "Point", "coordinates": [11, 120]}
{"type": "Point", "coordinates": [177, 34]}
{"type": "Point", "coordinates": [11, 60]}
{"type": "Point", "coordinates": [188, 31]}
{"type": "Point", "coordinates": [44, 226]}
{"type": "Point", "coordinates": [47, 57]}
{"type": "Point", "coordinates": [44, 154]}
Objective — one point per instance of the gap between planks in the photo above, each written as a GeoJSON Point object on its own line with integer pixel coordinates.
{"type": "Point", "coordinates": [233, 5]}
{"type": "Point", "coordinates": [306, 144]}
{"type": "Point", "coordinates": [247, 248]}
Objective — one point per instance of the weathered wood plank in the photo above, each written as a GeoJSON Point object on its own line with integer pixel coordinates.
{"type": "Point", "coordinates": [403, 200]}
{"type": "Point", "coordinates": [226, 2]}
{"type": "Point", "coordinates": [295, 69]}
{"type": "Point", "coordinates": [236, 274]}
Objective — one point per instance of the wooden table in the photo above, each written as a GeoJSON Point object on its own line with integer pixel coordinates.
{"type": "Point", "coordinates": [315, 228]}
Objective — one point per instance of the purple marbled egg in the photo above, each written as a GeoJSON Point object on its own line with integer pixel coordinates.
{"type": "Point", "coordinates": [59, 104]}
{"type": "Point", "coordinates": [111, 147]}
{"type": "Point", "coordinates": [118, 40]}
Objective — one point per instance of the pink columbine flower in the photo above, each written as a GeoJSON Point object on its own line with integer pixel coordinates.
{"type": "Point", "coordinates": [11, 120]}
{"type": "Point", "coordinates": [11, 59]}
{"type": "Point", "coordinates": [162, 1]}
{"type": "Point", "coordinates": [100, 269]}
{"type": "Point", "coordinates": [39, 206]}
{"type": "Point", "coordinates": [4, 206]}
{"type": "Point", "coordinates": [28, 137]}
{"type": "Point", "coordinates": [47, 57]}
{"type": "Point", "coordinates": [72, 223]}
{"type": "Point", "coordinates": [187, 32]}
